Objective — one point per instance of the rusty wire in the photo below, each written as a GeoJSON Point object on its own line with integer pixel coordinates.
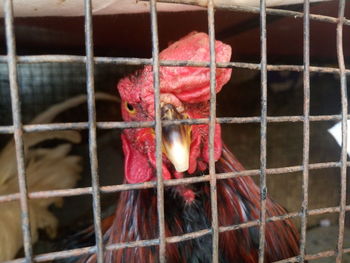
{"type": "Point", "coordinates": [212, 122]}
{"type": "Point", "coordinates": [306, 131]}
{"type": "Point", "coordinates": [17, 130]}
{"type": "Point", "coordinates": [90, 89]}
{"type": "Point", "coordinates": [226, 5]}
{"type": "Point", "coordinates": [263, 129]}
{"type": "Point", "coordinates": [158, 131]}
{"type": "Point", "coordinates": [173, 182]}
{"type": "Point", "coordinates": [153, 242]}
{"type": "Point", "coordinates": [146, 124]}
{"type": "Point", "coordinates": [344, 112]}
{"type": "Point", "coordinates": [174, 63]}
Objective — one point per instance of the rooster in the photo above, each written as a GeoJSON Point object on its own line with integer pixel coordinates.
{"type": "Point", "coordinates": [185, 94]}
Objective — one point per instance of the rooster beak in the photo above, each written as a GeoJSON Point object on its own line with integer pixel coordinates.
{"type": "Point", "coordinates": [176, 139]}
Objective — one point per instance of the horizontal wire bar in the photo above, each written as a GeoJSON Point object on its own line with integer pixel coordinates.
{"type": "Point", "coordinates": [188, 236]}
{"type": "Point", "coordinates": [58, 255]}
{"type": "Point", "coordinates": [225, 5]}
{"type": "Point", "coordinates": [6, 129]}
{"type": "Point", "coordinates": [197, 234]}
{"type": "Point", "coordinates": [312, 212]}
{"type": "Point", "coordinates": [173, 182]}
{"type": "Point", "coordinates": [89, 250]}
{"type": "Point", "coordinates": [139, 243]}
{"type": "Point", "coordinates": [78, 59]}
{"type": "Point", "coordinates": [323, 254]}
{"type": "Point", "coordinates": [174, 63]}
{"type": "Point", "coordinates": [290, 216]}
{"type": "Point", "coordinates": [71, 253]}
{"type": "Point", "coordinates": [146, 124]}
{"type": "Point", "coordinates": [238, 226]}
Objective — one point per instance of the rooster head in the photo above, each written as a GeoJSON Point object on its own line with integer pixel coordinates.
{"type": "Point", "coordinates": [184, 93]}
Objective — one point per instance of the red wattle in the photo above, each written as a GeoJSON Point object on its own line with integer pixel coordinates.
{"type": "Point", "coordinates": [137, 167]}
{"type": "Point", "coordinates": [195, 151]}
{"type": "Point", "coordinates": [165, 172]}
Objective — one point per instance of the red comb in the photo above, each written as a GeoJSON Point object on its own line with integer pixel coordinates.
{"type": "Point", "coordinates": [188, 84]}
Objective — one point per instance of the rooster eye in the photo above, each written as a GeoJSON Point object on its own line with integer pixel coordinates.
{"type": "Point", "coordinates": [130, 108]}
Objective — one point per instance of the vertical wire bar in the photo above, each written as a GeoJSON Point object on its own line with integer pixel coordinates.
{"type": "Point", "coordinates": [18, 129]}
{"type": "Point", "coordinates": [158, 132]}
{"type": "Point", "coordinates": [90, 86]}
{"type": "Point", "coordinates": [344, 113]}
{"type": "Point", "coordinates": [263, 128]}
{"type": "Point", "coordinates": [212, 122]}
{"type": "Point", "coordinates": [306, 128]}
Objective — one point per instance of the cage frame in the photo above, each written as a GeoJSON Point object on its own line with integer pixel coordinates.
{"type": "Point", "coordinates": [18, 128]}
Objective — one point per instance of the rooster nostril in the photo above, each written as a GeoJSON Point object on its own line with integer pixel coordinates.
{"type": "Point", "coordinates": [170, 112]}
{"type": "Point", "coordinates": [167, 107]}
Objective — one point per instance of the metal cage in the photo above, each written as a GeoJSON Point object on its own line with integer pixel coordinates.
{"type": "Point", "coordinates": [17, 129]}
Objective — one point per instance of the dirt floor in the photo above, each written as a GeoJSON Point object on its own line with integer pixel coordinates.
{"type": "Point", "coordinates": [323, 239]}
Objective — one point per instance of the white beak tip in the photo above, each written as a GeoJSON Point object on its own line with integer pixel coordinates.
{"type": "Point", "coordinates": [183, 167]}
{"type": "Point", "coordinates": [178, 155]}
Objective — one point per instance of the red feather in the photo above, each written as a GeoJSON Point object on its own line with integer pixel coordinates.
{"type": "Point", "coordinates": [281, 236]}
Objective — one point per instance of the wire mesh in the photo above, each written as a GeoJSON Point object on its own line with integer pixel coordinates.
{"type": "Point", "coordinates": [17, 129]}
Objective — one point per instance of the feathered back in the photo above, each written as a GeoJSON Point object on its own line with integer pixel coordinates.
{"type": "Point", "coordinates": [238, 202]}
